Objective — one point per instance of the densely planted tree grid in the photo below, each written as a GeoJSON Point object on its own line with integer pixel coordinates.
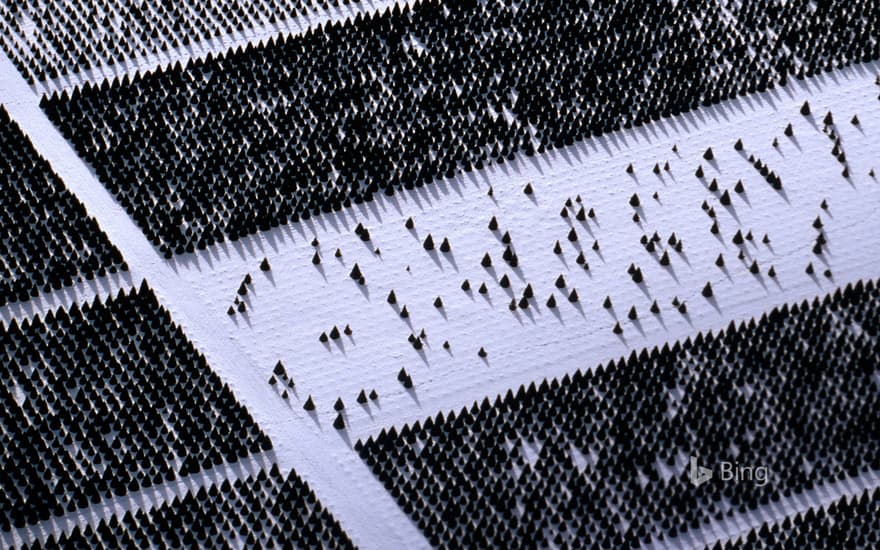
{"type": "Point", "coordinates": [603, 455]}
{"type": "Point", "coordinates": [259, 511]}
{"type": "Point", "coordinates": [105, 399]}
{"type": "Point", "coordinates": [49, 240]}
{"type": "Point", "coordinates": [48, 40]}
{"type": "Point", "coordinates": [852, 522]}
{"type": "Point", "coordinates": [231, 145]}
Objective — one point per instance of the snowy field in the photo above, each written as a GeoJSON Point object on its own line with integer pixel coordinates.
{"type": "Point", "coordinates": [290, 306]}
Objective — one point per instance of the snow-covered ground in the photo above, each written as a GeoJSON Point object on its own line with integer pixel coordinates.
{"type": "Point", "coordinates": [291, 305]}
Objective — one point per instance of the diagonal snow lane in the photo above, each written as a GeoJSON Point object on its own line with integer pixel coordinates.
{"type": "Point", "coordinates": [325, 461]}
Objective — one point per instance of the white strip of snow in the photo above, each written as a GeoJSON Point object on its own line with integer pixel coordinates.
{"type": "Point", "coordinates": [340, 479]}
{"type": "Point", "coordinates": [199, 50]}
{"type": "Point", "coordinates": [290, 306]}
{"type": "Point", "coordinates": [79, 293]}
{"type": "Point", "coordinates": [740, 524]}
{"type": "Point", "coordinates": [145, 499]}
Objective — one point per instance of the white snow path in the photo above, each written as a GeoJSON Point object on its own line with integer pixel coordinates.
{"type": "Point", "coordinates": [79, 293]}
{"type": "Point", "coordinates": [340, 479]}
